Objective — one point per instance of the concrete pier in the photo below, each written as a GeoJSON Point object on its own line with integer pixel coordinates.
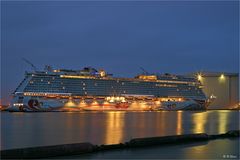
{"type": "Point", "coordinates": [139, 142]}
{"type": "Point", "coordinates": [47, 151]}
{"type": "Point", "coordinates": [80, 148]}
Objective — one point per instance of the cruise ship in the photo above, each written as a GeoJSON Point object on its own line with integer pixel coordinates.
{"type": "Point", "coordinates": [92, 89]}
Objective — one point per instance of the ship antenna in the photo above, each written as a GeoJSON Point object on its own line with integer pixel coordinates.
{"type": "Point", "coordinates": [33, 67]}
{"type": "Point", "coordinates": [144, 71]}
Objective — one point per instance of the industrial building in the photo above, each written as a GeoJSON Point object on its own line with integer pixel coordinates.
{"type": "Point", "coordinates": [223, 86]}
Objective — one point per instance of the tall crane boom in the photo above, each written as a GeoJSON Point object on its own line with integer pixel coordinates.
{"type": "Point", "coordinates": [144, 71]}
{"type": "Point", "coordinates": [33, 67]}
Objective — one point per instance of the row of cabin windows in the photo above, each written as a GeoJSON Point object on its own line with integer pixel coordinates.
{"type": "Point", "coordinates": [110, 90]}
{"type": "Point", "coordinates": [107, 86]}
{"type": "Point", "coordinates": [56, 78]}
{"type": "Point", "coordinates": [90, 82]}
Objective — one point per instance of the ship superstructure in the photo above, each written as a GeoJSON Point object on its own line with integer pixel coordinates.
{"type": "Point", "coordinates": [56, 88]}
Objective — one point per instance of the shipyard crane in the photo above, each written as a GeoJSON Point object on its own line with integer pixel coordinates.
{"type": "Point", "coordinates": [144, 71]}
{"type": "Point", "coordinates": [28, 62]}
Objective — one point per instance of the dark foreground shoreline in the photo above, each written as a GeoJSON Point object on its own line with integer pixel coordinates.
{"type": "Point", "coordinates": [83, 148]}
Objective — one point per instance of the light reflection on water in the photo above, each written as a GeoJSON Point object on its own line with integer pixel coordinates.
{"type": "Point", "coordinates": [114, 127]}
{"type": "Point", "coordinates": [223, 118]}
{"type": "Point", "coordinates": [36, 129]}
{"type": "Point", "coordinates": [199, 119]}
{"type": "Point", "coordinates": [179, 123]}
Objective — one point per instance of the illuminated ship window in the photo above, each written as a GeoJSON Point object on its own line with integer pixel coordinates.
{"type": "Point", "coordinates": [148, 77]}
{"type": "Point", "coordinates": [49, 82]}
{"type": "Point", "coordinates": [83, 88]}
{"type": "Point", "coordinates": [84, 84]}
{"type": "Point", "coordinates": [41, 80]}
{"type": "Point", "coordinates": [166, 85]}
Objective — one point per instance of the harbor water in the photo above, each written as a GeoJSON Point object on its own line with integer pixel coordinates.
{"type": "Point", "coordinates": [20, 130]}
{"type": "Point", "coordinates": [215, 149]}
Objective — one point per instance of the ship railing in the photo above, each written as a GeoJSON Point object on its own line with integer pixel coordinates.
{"type": "Point", "coordinates": [45, 94]}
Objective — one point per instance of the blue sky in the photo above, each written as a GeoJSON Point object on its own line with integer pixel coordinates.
{"type": "Point", "coordinates": [174, 37]}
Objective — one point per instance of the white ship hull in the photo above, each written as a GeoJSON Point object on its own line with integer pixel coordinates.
{"type": "Point", "coordinates": [41, 104]}
{"type": "Point", "coordinates": [183, 105]}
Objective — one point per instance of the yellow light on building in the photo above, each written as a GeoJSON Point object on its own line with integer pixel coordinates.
{"type": "Point", "coordinates": [222, 76]}
{"type": "Point", "coordinates": [199, 77]}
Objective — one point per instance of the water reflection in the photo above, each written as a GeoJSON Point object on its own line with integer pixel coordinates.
{"type": "Point", "coordinates": [179, 123]}
{"type": "Point", "coordinates": [114, 127]}
{"type": "Point", "coordinates": [223, 119]}
{"type": "Point", "coordinates": [36, 129]}
{"type": "Point", "coordinates": [215, 149]}
{"type": "Point", "coordinates": [199, 121]}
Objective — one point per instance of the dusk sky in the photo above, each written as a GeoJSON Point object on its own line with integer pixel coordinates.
{"type": "Point", "coordinates": [121, 37]}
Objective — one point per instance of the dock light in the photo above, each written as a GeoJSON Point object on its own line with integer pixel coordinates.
{"type": "Point", "coordinates": [123, 100]}
{"type": "Point", "coordinates": [70, 103]}
{"type": "Point", "coordinates": [95, 102]}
